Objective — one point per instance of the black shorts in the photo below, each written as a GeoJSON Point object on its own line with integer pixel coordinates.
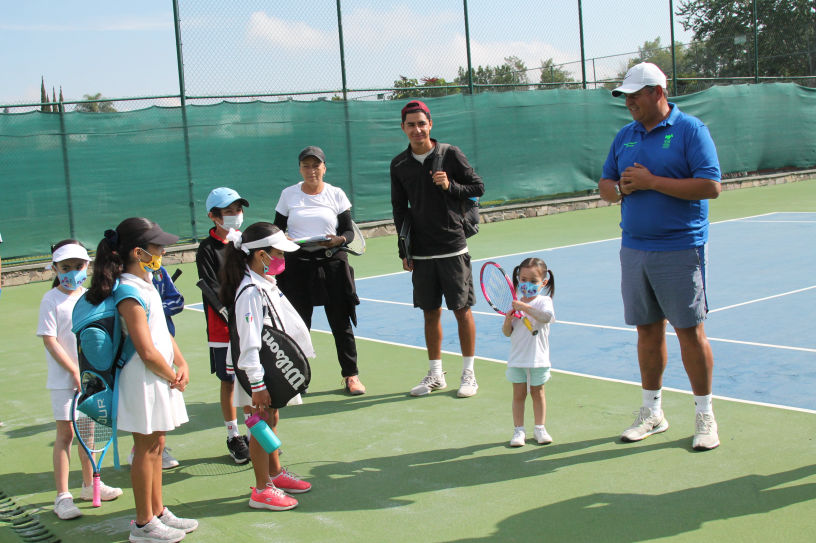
{"type": "Point", "coordinates": [450, 276]}
{"type": "Point", "coordinates": [218, 364]}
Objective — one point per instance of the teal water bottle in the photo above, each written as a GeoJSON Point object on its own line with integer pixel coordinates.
{"type": "Point", "coordinates": [263, 433]}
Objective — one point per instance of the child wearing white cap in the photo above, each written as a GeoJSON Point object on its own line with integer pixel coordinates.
{"type": "Point", "coordinates": [70, 263]}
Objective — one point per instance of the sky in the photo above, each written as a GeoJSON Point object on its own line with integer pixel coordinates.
{"type": "Point", "coordinates": [127, 49]}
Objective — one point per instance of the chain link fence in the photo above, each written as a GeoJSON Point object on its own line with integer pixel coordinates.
{"type": "Point", "coordinates": [248, 50]}
{"type": "Point", "coordinates": [348, 52]}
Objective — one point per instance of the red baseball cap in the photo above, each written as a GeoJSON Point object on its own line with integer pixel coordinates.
{"type": "Point", "coordinates": [413, 106]}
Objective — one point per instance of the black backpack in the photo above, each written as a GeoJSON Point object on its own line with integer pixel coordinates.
{"type": "Point", "coordinates": [469, 207]}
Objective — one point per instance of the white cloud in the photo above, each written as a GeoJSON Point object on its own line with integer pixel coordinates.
{"type": "Point", "coordinates": [396, 27]}
{"type": "Point", "coordinates": [431, 62]}
{"type": "Point", "coordinates": [289, 35]}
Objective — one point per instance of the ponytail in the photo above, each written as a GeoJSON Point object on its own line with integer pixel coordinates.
{"type": "Point", "coordinates": [237, 260]}
{"type": "Point", "coordinates": [111, 256]}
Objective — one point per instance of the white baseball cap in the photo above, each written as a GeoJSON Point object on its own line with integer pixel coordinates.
{"type": "Point", "coordinates": [641, 75]}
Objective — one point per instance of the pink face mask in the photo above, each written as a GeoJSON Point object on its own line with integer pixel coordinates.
{"type": "Point", "coordinates": [275, 266]}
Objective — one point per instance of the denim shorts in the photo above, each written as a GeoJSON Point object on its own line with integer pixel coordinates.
{"type": "Point", "coordinates": [659, 285]}
{"type": "Point", "coordinates": [534, 376]}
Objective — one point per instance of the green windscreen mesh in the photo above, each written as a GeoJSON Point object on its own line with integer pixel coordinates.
{"type": "Point", "coordinates": [86, 172]}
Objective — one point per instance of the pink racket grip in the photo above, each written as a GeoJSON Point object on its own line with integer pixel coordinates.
{"type": "Point", "coordinates": [97, 498]}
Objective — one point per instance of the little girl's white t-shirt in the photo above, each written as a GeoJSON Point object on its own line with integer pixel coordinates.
{"type": "Point", "coordinates": [312, 214]}
{"type": "Point", "coordinates": [528, 350]}
{"type": "Point", "coordinates": [55, 320]}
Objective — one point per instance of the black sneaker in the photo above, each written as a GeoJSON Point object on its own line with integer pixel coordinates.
{"type": "Point", "coordinates": [238, 449]}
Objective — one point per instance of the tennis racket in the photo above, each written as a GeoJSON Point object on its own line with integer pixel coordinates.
{"type": "Point", "coordinates": [94, 438]}
{"type": "Point", "coordinates": [356, 246]}
{"type": "Point", "coordinates": [499, 292]}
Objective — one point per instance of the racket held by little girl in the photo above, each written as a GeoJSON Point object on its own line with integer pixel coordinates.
{"type": "Point", "coordinates": [499, 292]}
{"type": "Point", "coordinates": [94, 438]}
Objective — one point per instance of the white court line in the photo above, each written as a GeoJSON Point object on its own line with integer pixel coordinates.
{"type": "Point", "coordinates": [622, 328]}
{"type": "Point", "coordinates": [782, 222]}
{"type": "Point", "coordinates": [762, 299]}
{"type": "Point", "coordinates": [587, 376]}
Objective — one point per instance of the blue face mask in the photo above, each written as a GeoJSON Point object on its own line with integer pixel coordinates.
{"type": "Point", "coordinates": [73, 279]}
{"type": "Point", "coordinates": [528, 289]}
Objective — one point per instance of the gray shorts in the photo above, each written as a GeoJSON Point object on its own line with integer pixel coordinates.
{"type": "Point", "coordinates": [659, 285]}
{"type": "Point", "coordinates": [451, 276]}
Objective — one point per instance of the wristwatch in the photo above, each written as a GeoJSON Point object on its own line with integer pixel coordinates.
{"type": "Point", "coordinates": [617, 189]}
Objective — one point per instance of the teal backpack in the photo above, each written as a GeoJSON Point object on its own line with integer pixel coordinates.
{"type": "Point", "coordinates": [103, 348]}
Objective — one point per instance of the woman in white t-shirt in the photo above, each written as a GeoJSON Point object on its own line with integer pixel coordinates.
{"type": "Point", "coordinates": [69, 260]}
{"type": "Point", "coordinates": [315, 209]}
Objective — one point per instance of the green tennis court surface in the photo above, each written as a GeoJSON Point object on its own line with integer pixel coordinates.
{"type": "Point", "coordinates": [387, 467]}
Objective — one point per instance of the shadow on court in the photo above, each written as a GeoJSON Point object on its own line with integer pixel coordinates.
{"type": "Point", "coordinates": [379, 483]}
{"type": "Point", "coordinates": [626, 517]}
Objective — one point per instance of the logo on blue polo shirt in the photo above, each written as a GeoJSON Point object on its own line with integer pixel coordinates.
{"type": "Point", "coordinates": [630, 144]}
{"type": "Point", "coordinates": [667, 140]}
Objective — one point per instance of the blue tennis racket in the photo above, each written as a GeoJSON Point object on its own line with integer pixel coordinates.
{"type": "Point", "coordinates": [95, 438]}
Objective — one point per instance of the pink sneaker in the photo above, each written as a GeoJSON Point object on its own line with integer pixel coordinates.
{"type": "Point", "coordinates": [290, 482]}
{"type": "Point", "coordinates": [271, 498]}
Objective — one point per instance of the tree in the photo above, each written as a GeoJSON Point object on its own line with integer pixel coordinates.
{"type": "Point", "coordinates": [553, 73]}
{"type": "Point", "coordinates": [94, 107]}
{"type": "Point", "coordinates": [512, 75]}
{"type": "Point", "coordinates": [654, 52]}
{"type": "Point", "coordinates": [411, 88]}
{"type": "Point", "coordinates": [786, 36]}
{"type": "Point", "coordinates": [44, 107]}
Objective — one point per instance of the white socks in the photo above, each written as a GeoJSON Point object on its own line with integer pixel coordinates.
{"type": "Point", "coordinates": [435, 366]}
{"type": "Point", "coordinates": [232, 428]}
{"type": "Point", "coordinates": [653, 399]}
{"type": "Point", "coordinates": [702, 404]}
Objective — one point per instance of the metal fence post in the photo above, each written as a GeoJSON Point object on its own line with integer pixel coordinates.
{"type": "Point", "coordinates": [674, 58]}
{"type": "Point", "coordinates": [349, 154]}
{"type": "Point", "coordinates": [66, 168]}
{"type": "Point", "coordinates": [342, 50]}
{"type": "Point", "coordinates": [756, 46]}
{"type": "Point", "coordinates": [183, 98]}
{"type": "Point", "coordinates": [467, 48]}
{"type": "Point", "coordinates": [583, 52]}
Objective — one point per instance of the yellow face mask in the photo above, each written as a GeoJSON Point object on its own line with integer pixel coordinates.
{"type": "Point", "coordinates": [153, 265]}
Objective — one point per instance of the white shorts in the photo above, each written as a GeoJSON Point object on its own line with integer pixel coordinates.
{"type": "Point", "coordinates": [61, 401]}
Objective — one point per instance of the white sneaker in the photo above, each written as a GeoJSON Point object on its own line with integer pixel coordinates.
{"type": "Point", "coordinates": [186, 525]}
{"type": "Point", "coordinates": [645, 425]}
{"type": "Point", "coordinates": [154, 532]}
{"type": "Point", "coordinates": [429, 382]}
{"type": "Point", "coordinates": [65, 509]}
{"type": "Point", "coordinates": [106, 493]}
{"type": "Point", "coordinates": [705, 432]}
{"type": "Point", "coordinates": [168, 462]}
{"type": "Point", "coordinates": [468, 385]}
{"type": "Point", "coordinates": [542, 436]}
{"type": "Point", "coordinates": [519, 437]}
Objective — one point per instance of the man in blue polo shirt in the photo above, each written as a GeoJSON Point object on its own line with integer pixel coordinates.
{"type": "Point", "coordinates": [663, 168]}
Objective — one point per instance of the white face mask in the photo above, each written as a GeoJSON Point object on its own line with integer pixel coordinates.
{"type": "Point", "coordinates": [232, 221]}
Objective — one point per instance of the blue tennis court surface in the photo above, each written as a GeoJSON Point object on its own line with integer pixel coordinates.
{"type": "Point", "coordinates": [761, 291]}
